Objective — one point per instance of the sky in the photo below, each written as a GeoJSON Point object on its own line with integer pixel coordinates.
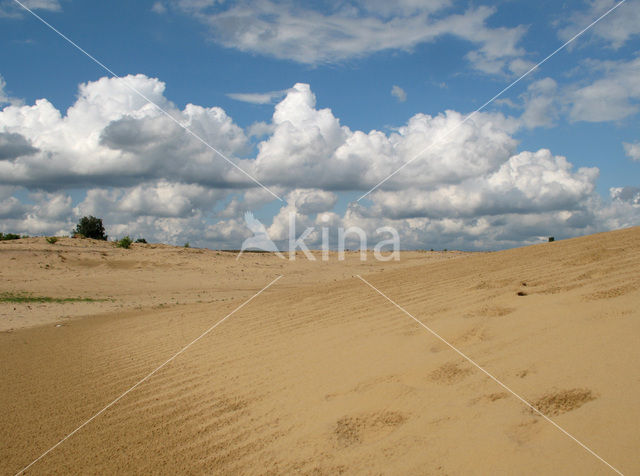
{"type": "Point", "coordinates": [299, 109]}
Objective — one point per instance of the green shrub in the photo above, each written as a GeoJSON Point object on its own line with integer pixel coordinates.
{"type": "Point", "coordinates": [551, 239]}
{"type": "Point", "coordinates": [52, 239]}
{"type": "Point", "coordinates": [186, 245]}
{"type": "Point", "coordinates": [9, 236]}
{"type": "Point", "coordinates": [91, 227]}
{"type": "Point", "coordinates": [141, 240]}
{"type": "Point", "coordinates": [124, 242]}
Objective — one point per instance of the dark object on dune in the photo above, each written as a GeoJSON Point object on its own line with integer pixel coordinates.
{"type": "Point", "coordinates": [141, 240]}
{"type": "Point", "coordinates": [551, 238]}
{"type": "Point", "coordinates": [90, 227]}
{"type": "Point", "coordinates": [9, 236]}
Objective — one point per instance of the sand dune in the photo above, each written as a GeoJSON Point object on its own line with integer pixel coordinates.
{"type": "Point", "coordinates": [320, 374]}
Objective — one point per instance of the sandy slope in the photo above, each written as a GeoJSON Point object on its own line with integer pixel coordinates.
{"type": "Point", "coordinates": [320, 374]}
{"type": "Point", "coordinates": [152, 276]}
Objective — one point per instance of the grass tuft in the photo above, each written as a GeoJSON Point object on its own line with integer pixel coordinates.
{"type": "Point", "coordinates": [26, 297]}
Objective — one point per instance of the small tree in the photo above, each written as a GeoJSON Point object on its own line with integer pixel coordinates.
{"type": "Point", "coordinates": [91, 227]}
{"type": "Point", "coordinates": [9, 236]}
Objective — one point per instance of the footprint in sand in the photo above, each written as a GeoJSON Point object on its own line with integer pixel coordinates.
{"type": "Point", "coordinates": [524, 432]}
{"type": "Point", "coordinates": [449, 373]}
{"type": "Point", "coordinates": [492, 397]}
{"type": "Point", "coordinates": [611, 293]}
{"type": "Point", "coordinates": [550, 404]}
{"type": "Point", "coordinates": [473, 335]}
{"type": "Point", "coordinates": [350, 430]}
{"type": "Point", "coordinates": [491, 311]}
{"type": "Point", "coordinates": [556, 403]}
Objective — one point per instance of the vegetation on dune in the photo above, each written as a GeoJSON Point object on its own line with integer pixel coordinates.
{"type": "Point", "coordinates": [26, 297]}
{"type": "Point", "coordinates": [124, 242]}
{"type": "Point", "coordinates": [52, 239]}
{"type": "Point", "coordinates": [141, 240]}
{"type": "Point", "coordinates": [10, 236]}
{"type": "Point", "coordinates": [90, 227]}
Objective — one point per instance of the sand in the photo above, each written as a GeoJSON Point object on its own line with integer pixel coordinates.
{"type": "Point", "coordinates": [320, 374]}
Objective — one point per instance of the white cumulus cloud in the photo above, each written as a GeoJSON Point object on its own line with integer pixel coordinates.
{"type": "Point", "coordinates": [632, 149]}
{"type": "Point", "coordinates": [112, 136]}
{"type": "Point", "coordinates": [399, 93]}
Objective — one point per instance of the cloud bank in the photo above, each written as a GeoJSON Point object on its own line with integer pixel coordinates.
{"type": "Point", "coordinates": [147, 177]}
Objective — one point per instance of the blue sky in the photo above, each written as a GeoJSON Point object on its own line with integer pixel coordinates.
{"type": "Point", "coordinates": [486, 186]}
